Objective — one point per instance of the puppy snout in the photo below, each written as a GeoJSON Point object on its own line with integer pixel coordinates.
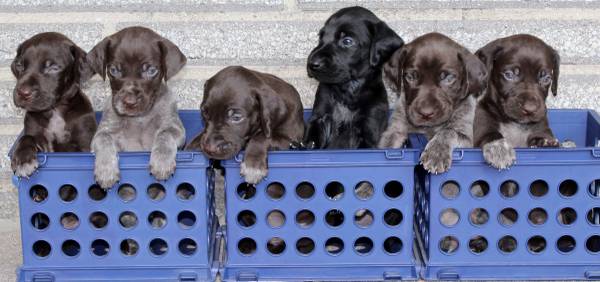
{"type": "Point", "coordinates": [25, 92]}
{"type": "Point", "coordinates": [216, 146]}
{"type": "Point", "coordinates": [316, 64]}
{"type": "Point", "coordinates": [426, 112]}
{"type": "Point", "coordinates": [130, 100]}
{"type": "Point", "coordinates": [529, 108]}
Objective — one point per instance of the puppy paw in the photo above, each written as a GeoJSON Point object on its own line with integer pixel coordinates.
{"type": "Point", "coordinates": [24, 164]}
{"type": "Point", "coordinates": [162, 166]}
{"type": "Point", "coordinates": [253, 172]}
{"type": "Point", "coordinates": [106, 171]}
{"type": "Point", "coordinates": [437, 157]}
{"type": "Point", "coordinates": [538, 142]}
{"type": "Point", "coordinates": [499, 154]}
{"type": "Point", "coordinates": [392, 140]}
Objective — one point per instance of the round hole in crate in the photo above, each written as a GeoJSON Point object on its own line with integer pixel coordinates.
{"type": "Point", "coordinates": [509, 189]}
{"type": "Point", "coordinates": [592, 244]}
{"type": "Point", "coordinates": [568, 188]}
{"type": "Point", "coordinates": [246, 191]}
{"type": "Point", "coordinates": [538, 188]}
{"type": "Point", "coordinates": [246, 218]}
{"type": "Point", "coordinates": [334, 190]}
{"type": "Point", "coordinates": [594, 188]}
{"type": "Point", "coordinates": [276, 218]}
{"type": "Point", "coordinates": [363, 245]}
{"type": "Point", "coordinates": [69, 220]}
{"type": "Point", "coordinates": [100, 247]}
{"type": "Point", "coordinates": [186, 219]}
{"type": "Point", "coordinates": [70, 248]}
{"type": "Point", "coordinates": [305, 245]}
{"type": "Point", "coordinates": [96, 193]}
{"type": "Point", "coordinates": [448, 245]}
{"type": "Point", "coordinates": [128, 219]}
{"type": "Point", "coordinates": [158, 247]}
{"type": "Point", "coordinates": [127, 192]}
{"type": "Point", "coordinates": [566, 244]}
{"type": "Point", "coordinates": [187, 247]}
{"type": "Point", "coordinates": [392, 245]}
{"type": "Point", "coordinates": [537, 216]}
{"type": "Point", "coordinates": [157, 219]}
{"type": "Point", "coordinates": [508, 216]}
{"type": "Point", "coordinates": [40, 221]}
{"type": "Point", "coordinates": [566, 216]}
{"type": "Point", "coordinates": [98, 220]}
{"type": "Point", "coordinates": [334, 246]}
{"type": "Point", "coordinates": [393, 217]}
{"type": "Point", "coordinates": [305, 218]}
{"type": "Point", "coordinates": [247, 246]}
{"type": "Point", "coordinates": [185, 191]}
{"type": "Point", "coordinates": [507, 244]}
{"type": "Point", "coordinates": [480, 189]}
{"type": "Point", "coordinates": [593, 216]}
{"type": "Point", "coordinates": [479, 216]}
{"type": "Point", "coordinates": [334, 218]}
{"type": "Point", "coordinates": [536, 244]}
{"type": "Point", "coordinates": [275, 190]}
{"type": "Point", "coordinates": [449, 217]}
{"type": "Point", "coordinates": [41, 248]}
{"type": "Point", "coordinates": [276, 246]}
{"type": "Point", "coordinates": [450, 190]}
{"type": "Point", "coordinates": [363, 218]}
{"type": "Point", "coordinates": [129, 247]}
{"type": "Point", "coordinates": [305, 190]}
{"type": "Point", "coordinates": [67, 193]}
{"type": "Point", "coordinates": [156, 192]}
{"type": "Point", "coordinates": [393, 189]}
{"type": "Point", "coordinates": [478, 244]}
{"type": "Point", "coordinates": [364, 190]}
{"type": "Point", "coordinates": [38, 193]}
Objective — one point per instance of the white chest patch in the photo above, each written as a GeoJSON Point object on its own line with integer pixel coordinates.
{"type": "Point", "coordinates": [516, 134]}
{"type": "Point", "coordinates": [56, 129]}
{"type": "Point", "coordinates": [343, 114]}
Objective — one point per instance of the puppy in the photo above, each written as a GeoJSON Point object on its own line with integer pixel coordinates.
{"type": "Point", "coordinates": [351, 105]}
{"type": "Point", "coordinates": [436, 80]}
{"type": "Point", "coordinates": [247, 109]}
{"type": "Point", "coordinates": [512, 113]}
{"type": "Point", "coordinates": [141, 114]}
{"type": "Point", "coordinates": [59, 117]}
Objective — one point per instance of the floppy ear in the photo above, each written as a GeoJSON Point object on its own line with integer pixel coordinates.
{"type": "Point", "coordinates": [385, 42]}
{"type": "Point", "coordinates": [82, 71]}
{"type": "Point", "coordinates": [98, 57]}
{"type": "Point", "coordinates": [13, 66]}
{"type": "Point", "coordinates": [476, 72]}
{"type": "Point", "coordinates": [172, 60]}
{"type": "Point", "coordinates": [393, 68]}
{"type": "Point", "coordinates": [272, 109]}
{"type": "Point", "coordinates": [555, 72]}
{"type": "Point", "coordinates": [488, 53]}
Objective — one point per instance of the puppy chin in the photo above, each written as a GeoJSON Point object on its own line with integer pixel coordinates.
{"type": "Point", "coordinates": [330, 77]}
{"type": "Point", "coordinates": [32, 105]}
{"type": "Point", "coordinates": [229, 154]}
{"type": "Point", "coordinates": [123, 110]}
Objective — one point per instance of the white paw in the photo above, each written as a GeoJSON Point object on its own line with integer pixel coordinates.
{"type": "Point", "coordinates": [26, 169]}
{"type": "Point", "coordinates": [106, 171]}
{"type": "Point", "coordinates": [437, 157]}
{"type": "Point", "coordinates": [392, 140]}
{"type": "Point", "coordinates": [162, 166]}
{"type": "Point", "coordinates": [499, 154]}
{"type": "Point", "coordinates": [252, 175]}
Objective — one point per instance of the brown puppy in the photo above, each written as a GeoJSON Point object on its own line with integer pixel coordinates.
{"type": "Point", "coordinates": [513, 111]}
{"type": "Point", "coordinates": [434, 78]}
{"type": "Point", "coordinates": [247, 109]}
{"type": "Point", "coordinates": [49, 69]}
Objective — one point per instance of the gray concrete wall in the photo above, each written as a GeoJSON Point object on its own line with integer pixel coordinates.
{"type": "Point", "coordinates": [276, 36]}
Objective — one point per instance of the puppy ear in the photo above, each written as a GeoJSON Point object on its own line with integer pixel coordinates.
{"type": "Point", "coordinates": [488, 53]}
{"type": "Point", "coordinates": [393, 68]}
{"type": "Point", "coordinates": [172, 59]}
{"type": "Point", "coordinates": [82, 71]}
{"type": "Point", "coordinates": [272, 109]}
{"type": "Point", "coordinates": [555, 72]}
{"type": "Point", "coordinates": [98, 57]}
{"type": "Point", "coordinates": [13, 65]}
{"type": "Point", "coordinates": [385, 42]}
{"type": "Point", "coordinates": [476, 73]}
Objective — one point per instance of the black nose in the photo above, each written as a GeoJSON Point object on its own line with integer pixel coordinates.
{"type": "Point", "coordinates": [316, 64]}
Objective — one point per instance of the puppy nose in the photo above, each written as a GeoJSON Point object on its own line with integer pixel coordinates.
{"type": "Point", "coordinates": [529, 108]}
{"type": "Point", "coordinates": [130, 100]}
{"type": "Point", "coordinates": [427, 112]}
{"type": "Point", "coordinates": [24, 92]}
{"type": "Point", "coordinates": [216, 147]}
{"type": "Point", "coordinates": [316, 64]}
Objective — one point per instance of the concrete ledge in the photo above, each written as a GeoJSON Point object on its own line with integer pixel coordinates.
{"type": "Point", "coordinates": [440, 4]}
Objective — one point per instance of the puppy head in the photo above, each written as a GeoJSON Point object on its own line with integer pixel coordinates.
{"type": "Point", "coordinates": [352, 43]}
{"type": "Point", "coordinates": [435, 74]}
{"type": "Point", "coordinates": [522, 69]}
{"type": "Point", "coordinates": [236, 106]}
{"type": "Point", "coordinates": [47, 66]}
{"type": "Point", "coordinates": [136, 60]}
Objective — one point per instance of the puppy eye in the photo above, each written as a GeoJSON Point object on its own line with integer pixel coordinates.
{"type": "Point", "coordinates": [447, 78]}
{"type": "Point", "coordinates": [235, 116]}
{"type": "Point", "coordinates": [411, 76]}
{"type": "Point", "coordinates": [511, 75]}
{"type": "Point", "coordinates": [114, 71]}
{"type": "Point", "coordinates": [19, 66]}
{"type": "Point", "coordinates": [347, 42]}
{"type": "Point", "coordinates": [51, 68]}
{"type": "Point", "coordinates": [544, 78]}
{"type": "Point", "coordinates": [152, 71]}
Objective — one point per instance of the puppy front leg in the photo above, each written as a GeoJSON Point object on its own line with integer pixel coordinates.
{"type": "Point", "coordinates": [254, 167]}
{"type": "Point", "coordinates": [437, 156]}
{"type": "Point", "coordinates": [106, 169]}
{"type": "Point", "coordinates": [396, 133]}
{"type": "Point", "coordinates": [544, 138]}
{"type": "Point", "coordinates": [24, 159]}
{"type": "Point", "coordinates": [497, 151]}
{"type": "Point", "coordinates": [164, 151]}
{"type": "Point", "coordinates": [317, 131]}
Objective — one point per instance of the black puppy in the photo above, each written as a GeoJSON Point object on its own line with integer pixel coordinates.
{"type": "Point", "coordinates": [513, 111]}
{"type": "Point", "coordinates": [351, 105]}
{"type": "Point", "coordinates": [49, 69]}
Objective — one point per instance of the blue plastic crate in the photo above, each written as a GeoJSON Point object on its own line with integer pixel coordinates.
{"type": "Point", "coordinates": [543, 214]}
{"type": "Point", "coordinates": [306, 221]}
{"type": "Point", "coordinates": [142, 230]}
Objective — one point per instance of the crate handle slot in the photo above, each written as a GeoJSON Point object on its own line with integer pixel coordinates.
{"type": "Point", "coordinates": [392, 276]}
{"type": "Point", "coordinates": [42, 160]}
{"type": "Point", "coordinates": [247, 277]}
{"type": "Point", "coordinates": [188, 277]}
{"type": "Point", "coordinates": [394, 154]}
{"type": "Point", "coordinates": [443, 275]}
{"type": "Point", "coordinates": [184, 157]}
{"type": "Point", "coordinates": [596, 153]}
{"type": "Point", "coordinates": [239, 158]}
{"type": "Point", "coordinates": [592, 275]}
{"type": "Point", "coordinates": [458, 155]}
{"type": "Point", "coordinates": [43, 277]}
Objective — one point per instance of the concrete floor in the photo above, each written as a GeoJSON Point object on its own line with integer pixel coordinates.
{"type": "Point", "coordinates": [10, 246]}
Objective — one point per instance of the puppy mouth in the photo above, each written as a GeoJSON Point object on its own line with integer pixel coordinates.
{"type": "Point", "coordinates": [415, 119]}
{"type": "Point", "coordinates": [222, 155]}
{"type": "Point", "coordinates": [330, 76]}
